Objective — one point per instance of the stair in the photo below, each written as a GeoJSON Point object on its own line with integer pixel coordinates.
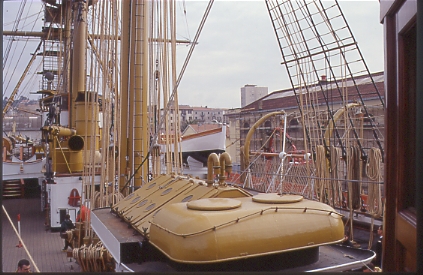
{"type": "Point", "coordinates": [13, 189]}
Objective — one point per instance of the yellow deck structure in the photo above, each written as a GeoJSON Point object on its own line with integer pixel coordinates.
{"type": "Point", "coordinates": [220, 229]}
{"type": "Point", "coordinates": [140, 207]}
{"type": "Point", "coordinates": [191, 221]}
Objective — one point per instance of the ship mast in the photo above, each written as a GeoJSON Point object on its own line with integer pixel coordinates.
{"type": "Point", "coordinates": [134, 93]}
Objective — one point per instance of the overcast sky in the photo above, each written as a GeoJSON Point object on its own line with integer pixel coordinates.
{"type": "Point", "coordinates": [238, 46]}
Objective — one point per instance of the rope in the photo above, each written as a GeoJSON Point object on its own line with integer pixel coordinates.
{"type": "Point", "coordinates": [93, 258]}
{"type": "Point", "coordinates": [20, 239]}
{"type": "Point", "coordinates": [322, 173]}
{"type": "Point", "coordinates": [353, 174]}
{"type": "Point", "coordinates": [374, 200]}
{"type": "Point", "coordinates": [336, 154]}
{"type": "Point", "coordinates": [373, 166]}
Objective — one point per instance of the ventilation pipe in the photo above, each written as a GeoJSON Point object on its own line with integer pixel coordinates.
{"type": "Point", "coordinates": [225, 166]}
{"type": "Point", "coordinates": [212, 164]}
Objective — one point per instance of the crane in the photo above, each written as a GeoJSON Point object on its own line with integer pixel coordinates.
{"type": "Point", "coordinates": [12, 96]}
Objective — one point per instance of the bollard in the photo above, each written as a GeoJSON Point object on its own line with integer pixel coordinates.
{"type": "Point", "coordinates": [19, 245]}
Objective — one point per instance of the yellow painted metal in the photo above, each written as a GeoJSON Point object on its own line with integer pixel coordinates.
{"type": "Point", "coordinates": [163, 195]}
{"type": "Point", "coordinates": [87, 121]}
{"type": "Point", "coordinates": [246, 159]}
{"type": "Point", "coordinates": [225, 167]}
{"type": "Point", "coordinates": [145, 139]}
{"type": "Point", "coordinates": [231, 192]}
{"type": "Point", "coordinates": [59, 131]}
{"type": "Point", "coordinates": [87, 126]}
{"type": "Point", "coordinates": [8, 143]}
{"type": "Point", "coordinates": [276, 198]}
{"type": "Point", "coordinates": [213, 167]}
{"type": "Point", "coordinates": [204, 236]}
{"type": "Point", "coordinates": [65, 159]}
{"type": "Point", "coordinates": [144, 192]}
{"type": "Point", "coordinates": [336, 116]}
{"type": "Point", "coordinates": [124, 89]}
{"type": "Point", "coordinates": [60, 163]}
{"type": "Point", "coordinates": [78, 58]}
{"type": "Point", "coordinates": [140, 207]}
{"type": "Point", "coordinates": [214, 204]}
{"type": "Point", "coordinates": [138, 130]}
{"type": "Point", "coordinates": [194, 192]}
{"type": "Point", "coordinates": [75, 163]}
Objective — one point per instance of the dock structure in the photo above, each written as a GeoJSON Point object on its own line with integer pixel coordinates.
{"type": "Point", "coordinates": [44, 246]}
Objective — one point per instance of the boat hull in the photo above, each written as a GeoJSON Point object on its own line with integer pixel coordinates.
{"type": "Point", "coordinates": [200, 145]}
{"type": "Point", "coordinates": [23, 169]}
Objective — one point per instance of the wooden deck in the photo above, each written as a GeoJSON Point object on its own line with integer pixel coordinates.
{"type": "Point", "coordinates": [44, 246]}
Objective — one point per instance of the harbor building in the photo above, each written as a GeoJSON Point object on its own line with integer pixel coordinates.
{"type": "Point", "coordinates": [251, 93]}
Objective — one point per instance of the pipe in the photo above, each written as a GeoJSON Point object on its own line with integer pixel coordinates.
{"type": "Point", "coordinates": [251, 132]}
{"type": "Point", "coordinates": [59, 131]}
{"type": "Point", "coordinates": [225, 166]}
{"type": "Point", "coordinates": [212, 163]}
{"type": "Point", "coordinates": [76, 143]}
{"type": "Point", "coordinates": [336, 116]}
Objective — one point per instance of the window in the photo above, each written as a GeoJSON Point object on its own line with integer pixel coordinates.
{"type": "Point", "coordinates": [407, 100]}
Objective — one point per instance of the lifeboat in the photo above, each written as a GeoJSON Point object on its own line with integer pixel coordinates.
{"type": "Point", "coordinates": [215, 230]}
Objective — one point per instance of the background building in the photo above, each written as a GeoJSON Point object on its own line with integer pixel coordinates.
{"type": "Point", "coordinates": [23, 118]}
{"type": "Point", "coordinates": [251, 93]}
{"type": "Point", "coordinates": [241, 120]}
{"type": "Point", "coordinates": [188, 115]}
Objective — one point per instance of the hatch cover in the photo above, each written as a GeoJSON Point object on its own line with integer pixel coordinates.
{"type": "Point", "coordinates": [276, 198]}
{"type": "Point", "coordinates": [213, 204]}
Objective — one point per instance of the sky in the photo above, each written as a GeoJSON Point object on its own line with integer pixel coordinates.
{"type": "Point", "coordinates": [238, 46]}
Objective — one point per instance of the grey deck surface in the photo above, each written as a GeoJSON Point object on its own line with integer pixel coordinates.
{"type": "Point", "coordinates": [44, 246]}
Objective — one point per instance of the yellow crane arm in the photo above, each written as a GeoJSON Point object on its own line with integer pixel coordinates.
{"type": "Point", "coordinates": [12, 96]}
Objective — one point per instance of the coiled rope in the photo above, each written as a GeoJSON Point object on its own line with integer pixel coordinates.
{"type": "Point", "coordinates": [101, 201]}
{"type": "Point", "coordinates": [322, 173]}
{"type": "Point", "coordinates": [93, 258]}
{"type": "Point", "coordinates": [354, 174]}
{"type": "Point", "coordinates": [374, 201]}
{"type": "Point", "coordinates": [336, 153]}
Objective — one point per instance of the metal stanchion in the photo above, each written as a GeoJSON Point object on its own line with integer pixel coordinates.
{"type": "Point", "coordinates": [19, 245]}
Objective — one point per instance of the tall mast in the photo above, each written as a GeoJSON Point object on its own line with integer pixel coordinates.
{"type": "Point", "coordinates": [125, 41]}
{"type": "Point", "coordinates": [134, 116]}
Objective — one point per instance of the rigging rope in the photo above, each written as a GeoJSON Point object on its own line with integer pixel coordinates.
{"type": "Point", "coordinates": [20, 240]}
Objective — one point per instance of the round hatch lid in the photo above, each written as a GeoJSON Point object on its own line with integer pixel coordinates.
{"type": "Point", "coordinates": [276, 198]}
{"type": "Point", "coordinates": [213, 204]}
